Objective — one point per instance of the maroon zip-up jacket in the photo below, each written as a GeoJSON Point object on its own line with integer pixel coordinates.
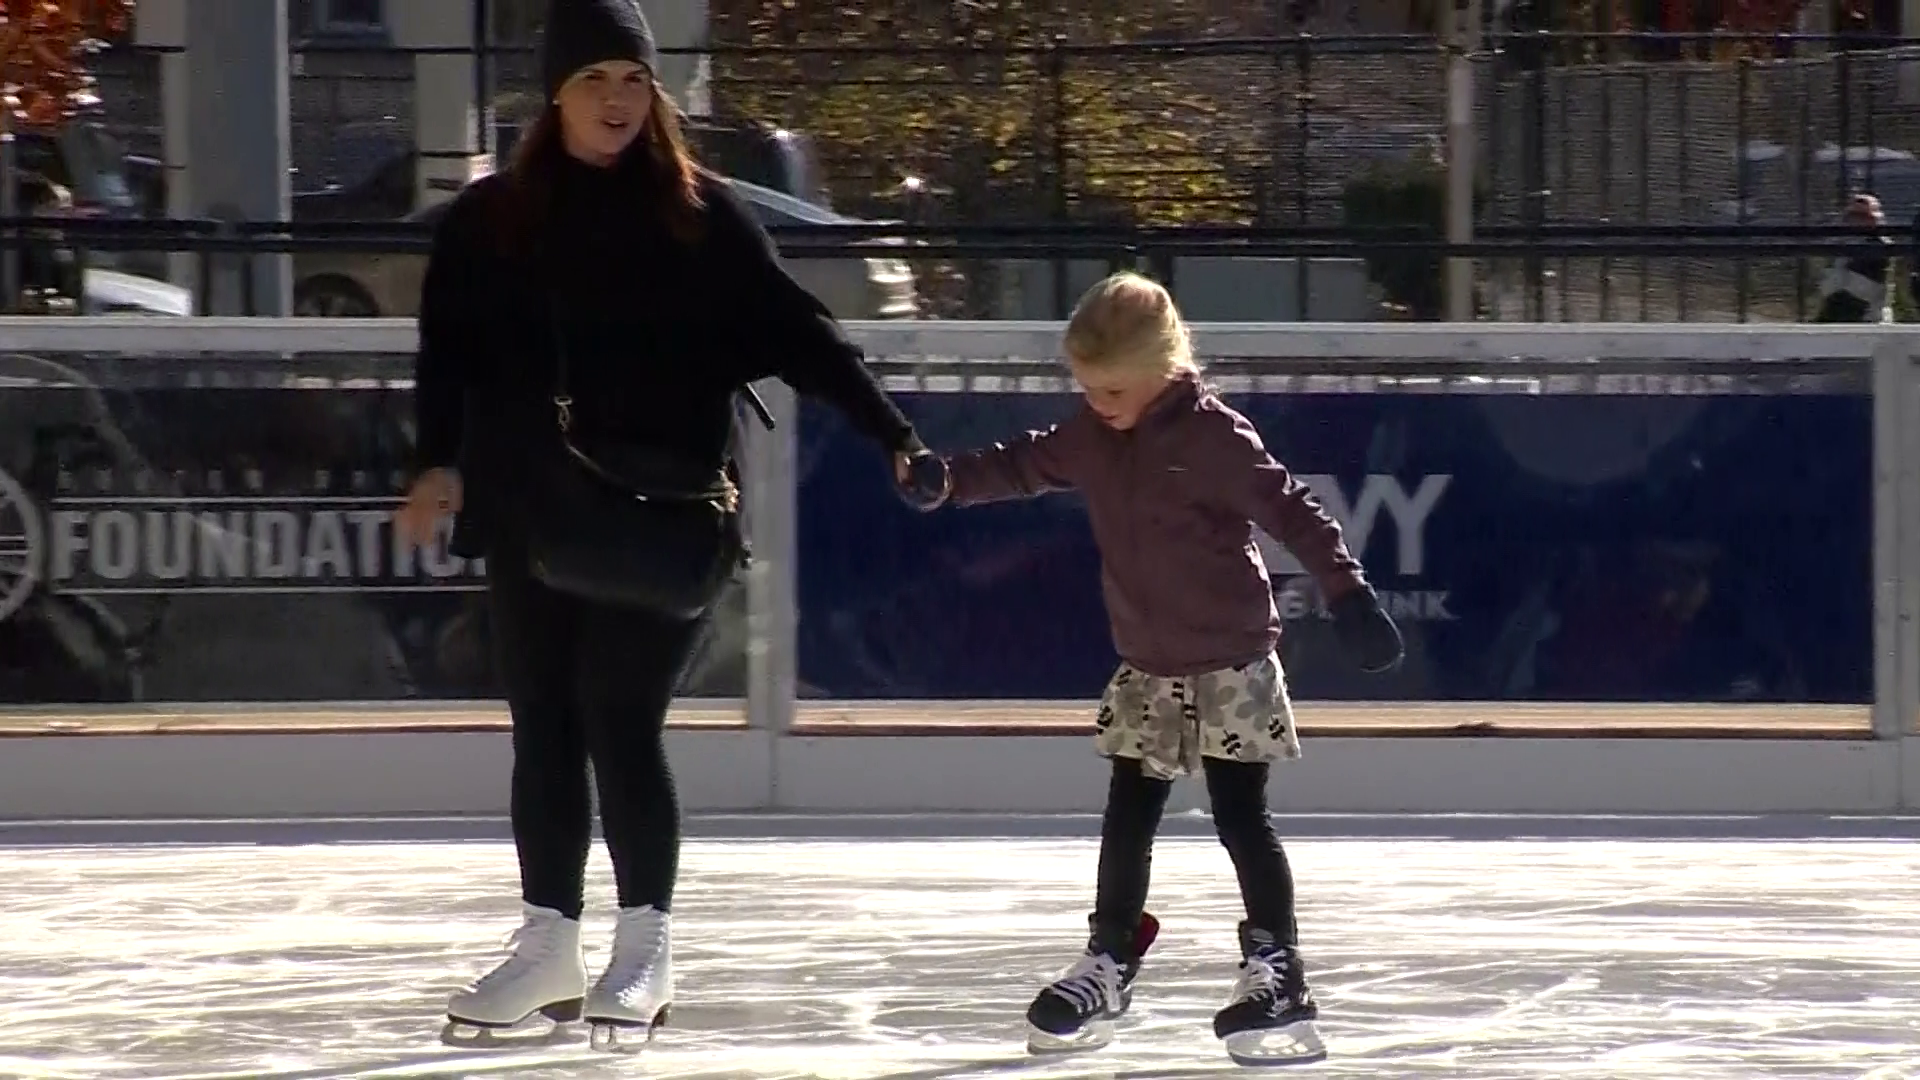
{"type": "Point", "coordinates": [1173, 504]}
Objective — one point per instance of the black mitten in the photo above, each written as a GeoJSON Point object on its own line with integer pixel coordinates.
{"type": "Point", "coordinates": [1367, 632]}
{"type": "Point", "coordinates": [927, 481]}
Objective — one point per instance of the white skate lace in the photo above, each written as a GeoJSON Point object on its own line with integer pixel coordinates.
{"type": "Point", "coordinates": [638, 943]}
{"type": "Point", "coordinates": [526, 947]}
{"type": "Point", "coordinates": [1259, 977]}
{"type": "Point", "coordinates": [1091, 984]}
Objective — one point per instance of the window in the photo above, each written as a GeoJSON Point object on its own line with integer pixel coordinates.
{"type": "Point", "coordinates": [346, 16]}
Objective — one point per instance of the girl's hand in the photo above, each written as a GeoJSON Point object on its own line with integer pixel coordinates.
{"type": "Point", "coordinates": [1367, 632]}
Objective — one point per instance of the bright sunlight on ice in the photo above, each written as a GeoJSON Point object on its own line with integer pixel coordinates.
{"type": "Point", "coordinates": [915, 959]}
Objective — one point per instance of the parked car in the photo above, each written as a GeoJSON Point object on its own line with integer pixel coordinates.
{"type": "Point", "coordinates": [369, 285]}
{"type": "Point", "coordinates": [114, 292]}
{"type": "Point", "coordinates": [1780, 185]}
{"type": "Point", "coordinates": [773, 158]}
{"type": "Point", "coordinates": [758, 154]}
{"type": "Point", "coordinates": [53, 272]}
{"type": "Point", "coordinates": [385, 194]}
{"type": "Point", "coordinates": [382, 172]}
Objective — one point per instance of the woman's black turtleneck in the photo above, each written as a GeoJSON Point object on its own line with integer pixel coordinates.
{"type": "Point", "coordinates": [659, 332]}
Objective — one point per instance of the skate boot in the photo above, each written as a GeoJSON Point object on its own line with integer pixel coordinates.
{"type": "Point", "coordinates": [1270, 1020]}
{"type": "Point", "coordinates": [1077, 1012]}
{"type": "Point", "coordinates": [636, 992]}
{"type": "Point", "coordinates": [545, 974]}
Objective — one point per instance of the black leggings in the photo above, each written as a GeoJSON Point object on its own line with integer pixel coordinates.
{"type": "Point", "coordinates": [588, 683]}
{"type": "Point", "coordinates": [1238, 791]}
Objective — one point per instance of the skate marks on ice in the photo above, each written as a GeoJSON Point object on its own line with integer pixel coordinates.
{"type": "Point", "coordinates": [915, 960]}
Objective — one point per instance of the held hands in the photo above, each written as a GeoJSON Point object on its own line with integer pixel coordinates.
{"type": "Point", "coordinates": [1366, 632]}
{"type": "Point", "coordinates": [434, 496]}
{"type": "Point", "coordinates": [922, 477]}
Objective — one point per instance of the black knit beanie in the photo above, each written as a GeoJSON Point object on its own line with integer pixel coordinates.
{"type": "Point", "coordinates": [581, 33]}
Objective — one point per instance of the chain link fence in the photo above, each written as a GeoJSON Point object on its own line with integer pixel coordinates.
{"type": "Point", "coordinates": [1684, 143]}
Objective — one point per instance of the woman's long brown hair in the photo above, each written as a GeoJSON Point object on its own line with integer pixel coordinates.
{"type": "Point", "coordinates": [673, 175]}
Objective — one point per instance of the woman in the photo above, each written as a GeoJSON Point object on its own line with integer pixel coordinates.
{"type": "Point", "coordinates": [47, 264]}
{"type": "Point", "coordinates": [601, 293]}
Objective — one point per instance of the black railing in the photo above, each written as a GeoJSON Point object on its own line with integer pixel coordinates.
{"type": "Point", "coordinates": [1392, 256]}
{"type": "Point", "coordinates": [1056, 239]}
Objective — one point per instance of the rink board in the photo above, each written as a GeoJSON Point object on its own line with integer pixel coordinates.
{"type": "Point", "coordinates": [193, 768]}
{"type": "Point", "coordinates": [1371, 719]}
{"type": "Point", "coordinates": [213, 527]}
{"type": "Point", "coordinates": [1434, 959]}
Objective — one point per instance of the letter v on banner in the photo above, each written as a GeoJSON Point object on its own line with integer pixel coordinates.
{"type": "Point", "coordinates": [1380, 493]}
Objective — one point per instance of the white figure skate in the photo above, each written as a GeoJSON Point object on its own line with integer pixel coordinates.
{"type": "Point", "coordinates": [636, 991]}
{"type": "Point", "coordinates": [545, 973]}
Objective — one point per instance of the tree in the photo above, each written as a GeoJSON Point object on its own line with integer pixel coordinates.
{"type": "Point", "coordinates": [44, 45]}
{"type": "Point", "coordinates": [980, 98]}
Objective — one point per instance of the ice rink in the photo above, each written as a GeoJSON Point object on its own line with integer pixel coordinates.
{"type": "Point", "coordinates": [912, 959]}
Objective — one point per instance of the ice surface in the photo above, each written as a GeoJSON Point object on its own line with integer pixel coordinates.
{"type": "Point", "coordinates": [914, 959]}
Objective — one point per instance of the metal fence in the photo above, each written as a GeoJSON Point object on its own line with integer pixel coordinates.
{"type": "Point", "coordinates": [1572, 129]}
{"type": "Point", "coordinates": [1222, 272]}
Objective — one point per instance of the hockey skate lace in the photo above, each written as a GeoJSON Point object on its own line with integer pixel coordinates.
{"type": "Point", "coordinates": [1259, 977]}
{"type": "Point", "coordinates": [1090, 984]}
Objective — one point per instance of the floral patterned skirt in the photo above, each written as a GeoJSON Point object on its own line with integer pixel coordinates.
{"type": "Point", "coordinates": [1170, 723]}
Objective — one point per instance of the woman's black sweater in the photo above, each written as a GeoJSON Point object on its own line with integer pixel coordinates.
{"type": "Point", "coordinates": [659, 335]}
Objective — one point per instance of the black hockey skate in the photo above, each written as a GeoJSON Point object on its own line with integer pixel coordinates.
{"type": "Point", "coordinates": [1270, 1020]}
{"type": "Point", "coordinates": [1077, 1012]}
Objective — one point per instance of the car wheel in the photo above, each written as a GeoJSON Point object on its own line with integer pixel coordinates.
{"type": "Point", "coordinates": [333, 298]}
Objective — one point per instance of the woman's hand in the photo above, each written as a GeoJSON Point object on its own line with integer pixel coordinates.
{"type": "Point", "coordinates": [923, 477]}
{"type": "Point", "coordinates": [434, 496]}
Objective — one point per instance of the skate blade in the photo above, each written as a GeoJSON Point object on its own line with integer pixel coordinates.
{"type": "Point", "coordinates": [611, 1036]}
{"type": "Point", "coordinates": [1298, 1043]}
{"type": "Point", "coordinates": [1093, 1036]}
{"type": "Point", "coordinates": [472, 1034]}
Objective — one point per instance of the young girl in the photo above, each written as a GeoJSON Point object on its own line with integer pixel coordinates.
{"type": "Point", "coordinates": [1174, 481]}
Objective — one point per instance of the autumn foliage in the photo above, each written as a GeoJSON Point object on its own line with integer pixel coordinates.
{"type": "Point", "coordinates": [1019, 110]}
{"type": "Point", "coordinates": [44, 45]}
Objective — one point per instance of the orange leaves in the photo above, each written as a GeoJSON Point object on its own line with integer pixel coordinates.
{"type": "Point", "coordinates": [44, 45]}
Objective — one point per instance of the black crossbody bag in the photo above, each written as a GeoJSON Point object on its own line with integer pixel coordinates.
{"type": "Point", "coordinates": [635, 527]}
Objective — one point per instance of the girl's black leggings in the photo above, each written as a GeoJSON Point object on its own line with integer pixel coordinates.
{"type": "Point", "coordinates": [1238, 792]}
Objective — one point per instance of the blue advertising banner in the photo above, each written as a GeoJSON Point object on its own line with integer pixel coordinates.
{"type": "Point", "coordinates": [212, 529]}
{"type": "Point", "coordinates": [1687, 548]}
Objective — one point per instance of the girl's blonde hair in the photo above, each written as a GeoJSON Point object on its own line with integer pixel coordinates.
{"type": "Point", "coordinates": [1129, 321]}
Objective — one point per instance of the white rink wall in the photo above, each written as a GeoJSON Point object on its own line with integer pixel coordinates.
{"type": "Point", "coordinates": [65, 776]}
{"type": "Point", "coordinates": [363, 774]}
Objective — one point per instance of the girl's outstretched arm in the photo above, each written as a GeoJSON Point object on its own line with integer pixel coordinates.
{"type": "Point", "coordinates": [1032, 463]}
{"type": "Point", "coordinates": [1248, 479]}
